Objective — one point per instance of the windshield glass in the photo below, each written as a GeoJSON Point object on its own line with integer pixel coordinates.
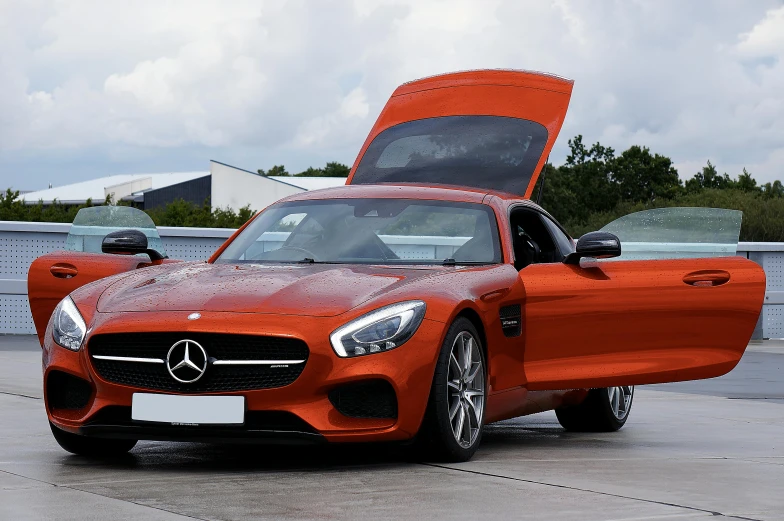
{"type": "Point", "coordinates": [91, 225]}
{"type": "Point", "coordinates": [493, 152]}
{"type": "Point", "coordinates": [369, 231]}
{"type": "Point", "coordinates": [672, 233]}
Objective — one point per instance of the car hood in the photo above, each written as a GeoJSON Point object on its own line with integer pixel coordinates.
{"type": "Point", "coordinates": [313, 290]}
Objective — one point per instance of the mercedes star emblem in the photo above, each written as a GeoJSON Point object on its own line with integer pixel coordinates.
{"type": "Point", "coordinates": [186, 361]}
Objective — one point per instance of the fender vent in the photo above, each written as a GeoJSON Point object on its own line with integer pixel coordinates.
{"type": "Point", "coordinates": [511, 320]}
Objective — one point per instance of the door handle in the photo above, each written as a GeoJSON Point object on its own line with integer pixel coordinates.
{"type": "Point", "coordinates": [494, 295]}
{"type": "Point", "coordinates": [63, 270]}
{"type": "Point", "coordinates": [707, 278]}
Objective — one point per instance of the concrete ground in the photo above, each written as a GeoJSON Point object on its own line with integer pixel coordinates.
{"type": "Point", "coordinates": [689, 451]}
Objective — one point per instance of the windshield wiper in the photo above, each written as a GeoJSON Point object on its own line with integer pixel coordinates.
{"type": "Point", "coordinates": [306, 260]}
{"type": "Point", "coordinates": [452, 262]}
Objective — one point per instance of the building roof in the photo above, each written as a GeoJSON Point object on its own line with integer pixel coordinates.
{"type": "Point", "coordinates": [311, 183]}
{"type": "Point", "coordinates": [122, 185]}
{"type": "Point", "coordinates": [133, 186]}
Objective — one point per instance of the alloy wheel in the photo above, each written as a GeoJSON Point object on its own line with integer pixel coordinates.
{"type": "Point", "coordinates": [620, 400]}
{"type": "Point", "coordinates": [466, 388]}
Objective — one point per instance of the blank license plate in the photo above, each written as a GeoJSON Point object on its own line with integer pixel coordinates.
{"type": "Point", "coordinates": [189, 410]}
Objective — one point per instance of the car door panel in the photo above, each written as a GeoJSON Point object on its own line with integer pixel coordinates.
{"type": "Point", "coordinates": [53, 276]}
{"type": "Point", "coordinates": [637, 322]}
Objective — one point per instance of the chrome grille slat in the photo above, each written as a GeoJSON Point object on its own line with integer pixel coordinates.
{"type": "Point", "coordinates": [238, 362]}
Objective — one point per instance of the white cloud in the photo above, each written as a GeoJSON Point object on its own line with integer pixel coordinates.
{"type": "Point", "coordinates": [113, 86]}
{"type": "Point", "coordinates": [766, 38]}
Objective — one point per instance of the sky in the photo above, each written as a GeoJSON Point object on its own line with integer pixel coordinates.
{"type": "Point", "coordinates": [95, 88]}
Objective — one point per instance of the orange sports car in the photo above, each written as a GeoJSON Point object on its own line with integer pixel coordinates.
{"type": "Point", "coordinates": [427, 298]}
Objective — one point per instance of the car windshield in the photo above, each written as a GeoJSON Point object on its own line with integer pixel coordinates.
{"type": "Point", "coordinates": [369, 231]}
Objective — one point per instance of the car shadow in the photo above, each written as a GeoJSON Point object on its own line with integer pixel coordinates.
{"type": "Point", "coordinates": [511, 435]}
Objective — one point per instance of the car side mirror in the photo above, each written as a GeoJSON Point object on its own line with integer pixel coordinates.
{"type": "Point", "coordinates": [598, 245]}
{"type": "Point", "coordinates": [128, 242]}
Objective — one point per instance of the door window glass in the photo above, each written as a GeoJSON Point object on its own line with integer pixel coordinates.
{"type": "Point", "coordinates": [671, 233]}
{"type": "Point", "coordinates": [91, 225]}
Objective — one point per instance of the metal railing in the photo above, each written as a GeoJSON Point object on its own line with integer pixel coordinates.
{"type": "Point", "coordinates": [23, 242]}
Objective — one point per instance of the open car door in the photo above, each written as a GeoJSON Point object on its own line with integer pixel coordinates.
{"type": "Point", "coordinates": [677, 305]}
{"type": "Point", "coordinates": [490, 129]}
{"type": "Point", "coordinates": [53, 276]}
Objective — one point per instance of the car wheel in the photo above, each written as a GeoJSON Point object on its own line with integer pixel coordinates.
{"type": "Point", "coordinates": [452, 428]}
{"type": "Point", "coordinates": [603, 410]}
{"type": "Point", "coordinates": [94, 447]}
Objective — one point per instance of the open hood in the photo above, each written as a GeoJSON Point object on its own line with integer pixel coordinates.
{"type": "Point", "coordinates": [489, 129]}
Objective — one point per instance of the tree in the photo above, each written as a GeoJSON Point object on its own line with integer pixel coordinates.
{"type": "Point", "coordinates": [709, 177]}
{"type": "Point", "coordinates": [277, 170]}
{"type": "Point", "coordinates": [589, 173]}
{"type": "Point", "coordinates": [773, 190]}
{"type": "Point", "coordinates": [645, 177]}
{"type": "Point", "coordinates": [333, 169]}
{"type": "Point", "coordinates": [311, 172]}
{"type": "Point", "coordinates": [746, 183]}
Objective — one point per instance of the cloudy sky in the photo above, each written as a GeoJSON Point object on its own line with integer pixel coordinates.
{"type": "Point", "coordinates": [92, 88]}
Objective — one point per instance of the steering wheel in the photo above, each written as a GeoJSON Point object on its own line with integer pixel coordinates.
{"type": "Point", "coordinates": [530, 247]}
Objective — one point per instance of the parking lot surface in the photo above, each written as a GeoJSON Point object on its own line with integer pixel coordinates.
{"type": "Point", "coordinates": [689, 451]}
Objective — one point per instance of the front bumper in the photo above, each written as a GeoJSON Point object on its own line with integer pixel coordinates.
{"type": "Point", "coordinates": [303, 408]}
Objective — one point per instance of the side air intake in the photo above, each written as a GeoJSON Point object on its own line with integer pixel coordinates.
{"type": "Point", "coordinates": [511, 320]}
{"type": "Point", "coordinates": [370, 399]}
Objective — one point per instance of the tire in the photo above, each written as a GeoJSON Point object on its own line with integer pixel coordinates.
{"type": "Point", "coordinates": [91, 447]}
{"type": "Point", "coordinates": [455, 392]}
{"type": "Point", "coordinates": [603, 410]}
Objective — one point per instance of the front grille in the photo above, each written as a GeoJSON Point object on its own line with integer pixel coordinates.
{"type": "Point", "coordinates": [64, 391]}
{"type": "Point", "coordinates": [217, 378]}
{"type": "Point", "coordinates": [370, 399]}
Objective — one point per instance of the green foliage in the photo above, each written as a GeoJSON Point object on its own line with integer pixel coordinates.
{"type": "Point", "coordinates": [14, 209]}
{"type": "Point", "coordinates": [184, 213]}
{"type": "Point", "coordinates": [594, 187]}
{"type": "Point", "coordinates": [763, 217]}
{"type": "Point", "coordinates": [709, 178]}
{"type": "Point", "coordinates": [277, 170]}
{"type": "Point", "coordinates": [645, 177]}
{"type": "Point", "coordinates": [177, 213]}
{"type": "Point", "coordinates": [332, 169]}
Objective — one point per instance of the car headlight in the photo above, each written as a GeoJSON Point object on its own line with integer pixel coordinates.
{"type": "Point", "coordinates": [380, 330]}
{"type": "Point", "coordinates": [68, 327]}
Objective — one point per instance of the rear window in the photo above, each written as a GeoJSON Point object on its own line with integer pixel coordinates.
{"type": "Point", "coordinates": [493, 152]}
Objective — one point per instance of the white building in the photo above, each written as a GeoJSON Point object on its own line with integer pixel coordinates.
{"type": "Point", "coordinates": [224, 185]}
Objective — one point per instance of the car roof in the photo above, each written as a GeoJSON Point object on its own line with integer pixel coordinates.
{"type": "Point", "coordinates": [404, 191]}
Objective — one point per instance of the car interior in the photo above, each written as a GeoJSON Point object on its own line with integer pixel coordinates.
{"type": "Point", "coordinates": [476, 248]}
{"type": "Point", "coordinates": [532, 239]}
